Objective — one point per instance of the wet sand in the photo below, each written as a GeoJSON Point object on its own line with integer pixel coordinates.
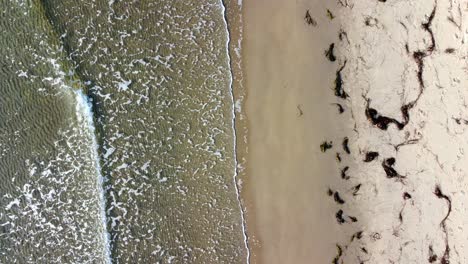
{"type": "Point", "coordinates": [289, 108]}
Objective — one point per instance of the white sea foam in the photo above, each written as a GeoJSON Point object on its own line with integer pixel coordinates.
{"type": "Point", "coordinates": [84, 112]}
{"type": "Point", "coordinates": [123, 86]}
{"type": "Point", "coordinates": [14, 202]}
{"type": "Point", "coordinates": [109, 152]}
{"type": "Point", "coordinates": [239, 200]}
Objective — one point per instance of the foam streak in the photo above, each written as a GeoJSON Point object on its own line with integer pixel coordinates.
{"type": "Point", "coordinates": [235, 176]}
{"type": "Point", "coordinates": [84, 112]}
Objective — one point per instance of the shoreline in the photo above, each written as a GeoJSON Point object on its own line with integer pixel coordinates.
{"type": "Point", "coordinates": [234, 19]}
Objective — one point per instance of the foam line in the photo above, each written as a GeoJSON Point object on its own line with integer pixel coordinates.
{"type": "Point", "coordinates": [84, 110]}
{"type": "Point", "coordinates": [235, 176]}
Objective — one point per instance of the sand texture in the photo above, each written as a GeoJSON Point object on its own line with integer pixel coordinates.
{"type": "Point", "coordinates": [384, 85]}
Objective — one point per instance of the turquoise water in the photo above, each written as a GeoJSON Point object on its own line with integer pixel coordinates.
{"type": "Point", "coordinates": [116, 133]}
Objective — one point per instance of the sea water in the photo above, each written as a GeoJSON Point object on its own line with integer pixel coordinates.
{"type": "Point", "coordinates": [116, 133]}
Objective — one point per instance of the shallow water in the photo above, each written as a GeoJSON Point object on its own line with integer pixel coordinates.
{"type": "Point", "coordinates": [157, 152]}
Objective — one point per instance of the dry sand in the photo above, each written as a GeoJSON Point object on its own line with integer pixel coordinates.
{"type": "Point", "coordinates": [409, 211]}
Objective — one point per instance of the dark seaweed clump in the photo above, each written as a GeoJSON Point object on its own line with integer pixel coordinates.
{"type": "Point", "coordinates": [345, 145]}
{"type": "Point", "coordinates": [406, 196]}
{"type": "Point", "coordinates": [387, 165]}
{"type": "Point", "coordinates": [339, 90]}
{"type": "Point", "coordinates": [380, 121]}
{"type": "Point", "coordinates": [330, 14]}
{"type": "Point", "coordinates": [338, 198]}
{"type": "Point", "coordinates": [339, 217]}
{"type": "Point", "coordinates": [326, 146]}
{"type": "Point", "coordinates": [309, 20]}
{"type": "Point", "coordinates": [356, 189]}
{"type": "Point", "coordinates": [370, 156]}
{"type": "Point", "coordinates": [344, 175]}
{"type": "Point", "coordinates": [329, 53]}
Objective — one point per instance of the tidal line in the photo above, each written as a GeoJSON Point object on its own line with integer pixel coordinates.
{"type": "Point", "coordinates": [235, 177]}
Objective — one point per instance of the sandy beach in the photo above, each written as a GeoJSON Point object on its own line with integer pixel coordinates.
{"type": "Point", "coordinates": [290, 111]}
{"type": "Point", "coordinates": [381, 83]}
